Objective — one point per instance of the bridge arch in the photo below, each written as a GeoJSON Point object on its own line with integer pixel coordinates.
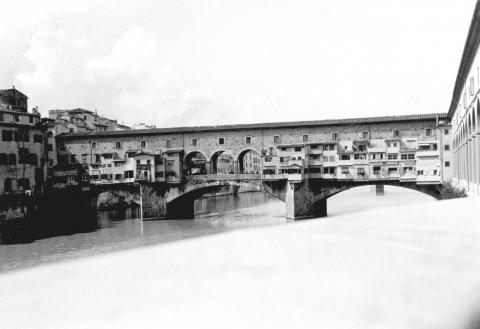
{"type": "Point", "coordinates": [252, 165]}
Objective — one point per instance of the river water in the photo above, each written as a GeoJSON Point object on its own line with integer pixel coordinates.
{"type": "Point", "coordinates": [213, 215]}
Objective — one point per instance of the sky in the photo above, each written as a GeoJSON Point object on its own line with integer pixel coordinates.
{"type": "Point", "coordinates": [182, 63]}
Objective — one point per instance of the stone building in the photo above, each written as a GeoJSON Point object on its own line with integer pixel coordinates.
{"type": "Point", "coordinates": [464, 113]}
{"type": "Point", "coordinates": [81, 120]}
{"type": "Point", "coordinates": [408, 148]}
{"type": "Point", "coordinates": [22, 144]}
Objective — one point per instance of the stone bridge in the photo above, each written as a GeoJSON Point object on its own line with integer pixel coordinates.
{"type": "Point", "coordinates": [303, 198]}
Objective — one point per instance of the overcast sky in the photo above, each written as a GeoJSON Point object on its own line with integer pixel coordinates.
{"type": "Point", "coordinates": [176, 62]}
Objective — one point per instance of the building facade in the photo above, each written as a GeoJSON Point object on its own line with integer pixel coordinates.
{"type": "Point", "coordinates": [464, 113]}
{"type": "Point", "coordinates": [409, 148]}
{"type": "Point", "coordinates": [22, 144]}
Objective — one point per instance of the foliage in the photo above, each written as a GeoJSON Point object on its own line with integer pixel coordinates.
{"type": "Point", "coordinates": [450, 191]}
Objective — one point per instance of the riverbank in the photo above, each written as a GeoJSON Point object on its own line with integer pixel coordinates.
{"type": "Point", "coordinates": [398, 267]}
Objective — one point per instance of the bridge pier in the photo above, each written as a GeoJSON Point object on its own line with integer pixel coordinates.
{"type": "Point", "coordinates": [379, 189]}
{"type": "Point", "coordinates": [300, 202]}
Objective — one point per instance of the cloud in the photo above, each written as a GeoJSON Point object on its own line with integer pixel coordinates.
{"type": "Point", "coordinates": [49, 54]}
{"type": "Point", "coordinates": [132, 56]}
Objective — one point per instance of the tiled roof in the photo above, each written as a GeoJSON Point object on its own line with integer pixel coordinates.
{"type": "Point", "coordinates": [270, 125]}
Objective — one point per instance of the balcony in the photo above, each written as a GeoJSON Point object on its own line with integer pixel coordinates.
{"type": "Point", "coordinates": [315, 162]}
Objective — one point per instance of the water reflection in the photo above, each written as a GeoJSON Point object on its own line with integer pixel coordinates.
{"type": "Point", "coordinates": [216, 215]}
{"type": "Point", "coordinates": [213, 215]}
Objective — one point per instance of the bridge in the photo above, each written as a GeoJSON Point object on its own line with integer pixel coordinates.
{"type": "Point", "coordinates": [301, 163]}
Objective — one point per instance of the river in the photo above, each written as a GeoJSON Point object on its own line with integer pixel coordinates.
{"type": "Point", "coordinates": [213, 215]}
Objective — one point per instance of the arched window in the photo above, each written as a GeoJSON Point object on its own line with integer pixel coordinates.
{"type": "Point", "coordinates": [33, 159]}
{"type": "Point", "coordinates": [24, 183]}
{"type": "Point", "coordinates": [3, 159]}
{"type": "Point", "coordinates": [12, 159]}
{"type": "Point", "coordinates": [8, 185]}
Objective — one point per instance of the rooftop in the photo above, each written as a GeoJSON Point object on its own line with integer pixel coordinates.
{"type": "Point", "coordinates": [270, 125]}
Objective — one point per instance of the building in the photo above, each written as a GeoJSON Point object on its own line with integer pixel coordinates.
{"type": "Point", "coordinates": [81, 120]}
{"type": "Point", "coordinates": [142, 125]}
{"type": "Point", "coordinates": [411, 148]}
{"type": "Point", "coordinates": [464, 113]}
{"type": "Point", "coordinates": [22, 144]}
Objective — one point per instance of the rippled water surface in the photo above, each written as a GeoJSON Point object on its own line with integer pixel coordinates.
{"type": "Point", "coordinates": [214, 215]}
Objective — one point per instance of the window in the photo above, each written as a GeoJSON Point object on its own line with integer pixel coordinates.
{"type": "Point", "coordinates": [420, 172]}
{"type": "Point", "coordinates": [72, 158]}
{"type": "Point", "coordinates": [97, 158]}
{"type": "Point", "coordinates": [168, 142]}
{"type": "Point", "coordinates": [143, 144]}
{"type": "Point", "coordinates": [159, 174]}
{"type": "Point", "coordinates": [395, 144]}
{"type": "Point", "coordinates": [428, 132]}
{"type": "Point", "coordinates": [377, 170]}
{"type": "Point", "coordinates": [435, 172]}
{"type": "Point", "coordinates": [194, 142]}
{"type": "Point", "coordinates": [23, 155]}
{"type": "Point", "coordinates": [447, 163]}
{"type": "Point", "coordinates": [268, 159]}
{"type": "Point", "coordinates": [94, 145]}
{"type": "Point", "coordinates": [344, 157]}
{"type": "Point", "coordinates": [30, 119]}
{"type": "Point", "coordinates": [334, 136]}
{"type": "Point", "coordinates": [365, 135]}
{"type": "Point", "coordinates": [329, 170]}
{"type": "Point", "coordinates": [389, 144]}
{"type": "Point", "coordinates": [38, 139]}
{"type": "Point", "coordinates": [446, 132]}
{"type": "Point", "coordinates": [411, 156]}
{"type": "Point", "coordinates": [17, 117]}
{"type": "Point", "coordinates": [392, 171]}
{"type": "Point", "coordinates": [396, 133]}
{"type": "Point", "coordinates": [248, 140]}
{"type": "Point", "coordinates": [7, 135]}
{"type": "Point", "coordinates": [170, 163]}
{"type": "Point", "coordinates": [138, 162]}
{"type": "Point", "coordinates": [221, 141]}
{"type": "Point", "coordinates": [297, 149]}
{"type": "Point", "coordinates": [1, 116]}
{"type": "Point", "coordinates": [276, 139]}
{"type": "Point", "coordinates": [392, 156]}
{"type": "Point", "coordinates": [447, 147]}
{"type": "Point", "coordinates": [305, 138]}
{"type": "Point", "coordinates": [345, 170]}
{"type": "Point", "coordinates": [3, 159]}
{"type": "Point", "coordinates": [118, 145]}
{"type": "Point", "coordinates": [148, 162]}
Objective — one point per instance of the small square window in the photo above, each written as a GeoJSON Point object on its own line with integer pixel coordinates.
{"type": "Point", "coordinates": [276, 139]}
{"type": "Point", "coordinates": [221, 141]}
{"type": "Point", "coordinates": [305, 138]}
{"type": "Point", "coordinates": [30, 119]}
{"type": "Point", "coordinates": [169, 143]}
{"type": "Point", "coordinates": [446, 132]}
{"type": "Point", "coordinates": [194, 141]}
{"type": "Point", "coordinates": [334, 136]}
{"type": "Point", "coordinates": [118, 145]}
{"type": "Point", "coordinates": [248, 140]}
{"type": "Point", "coordinates": [447, 147]}
{"type": "Point", "coordinates": [17, 117]}
{"type": "Point", "coordinates": [447, 163]}
{"type": "Point", "coordinates": [428, 132]}
{"type": "Point", "coordinates": [94, 145]}
{"type": "Point", "coordinates": [365, 135]}
{"type": "Point", "coordinates": [396, 133]}
{"type": "Point", "coordinates": [143, 144]}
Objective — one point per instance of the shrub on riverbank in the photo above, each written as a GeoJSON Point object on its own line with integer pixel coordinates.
{"type": "Point", "coordinates": [450, 191]}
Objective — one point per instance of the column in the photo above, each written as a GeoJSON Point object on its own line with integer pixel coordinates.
{"type": "Point", "coordinates": [379, 189]}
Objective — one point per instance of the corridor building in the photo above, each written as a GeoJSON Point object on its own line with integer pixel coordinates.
{"type": "Point", "coordinates": [464, 113]}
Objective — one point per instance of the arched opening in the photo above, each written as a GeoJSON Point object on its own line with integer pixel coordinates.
{"type": "Point", "coordinates": [12, 159]}
{"type": "Point", "coordinates": [8, 185]}
{"type": "Point", "coordinates": [363, 198]}
{"type": "Point", "coordinates": [222, 162]}
{"type": "Point", "coordinates": [249, 162]}
{"type": "Point", "coordinates": [195, 163]}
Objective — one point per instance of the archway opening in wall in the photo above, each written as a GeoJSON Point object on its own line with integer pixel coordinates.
{"type": "Point", "coordinates": [222, 162]}
{"type": "Point", "coordinates": [195, 163]}
{"type": "Point", "coordinates": [249, 162]}
{"type": "Point", "coordinates": [363, 198]}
